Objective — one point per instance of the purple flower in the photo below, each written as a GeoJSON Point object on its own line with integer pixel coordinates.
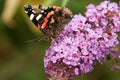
{"type": "Point", "coordinates": [83, 42]}
{"type": "Point", "coordinates": [106, 15]}
{"type": "Point", "coordinates": [115, 54]}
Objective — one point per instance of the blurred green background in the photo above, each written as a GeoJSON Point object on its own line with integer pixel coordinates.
{"type": "Point", "coordinates": [20, 60]}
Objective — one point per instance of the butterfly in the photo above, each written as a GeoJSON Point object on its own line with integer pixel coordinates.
{"type": "Point", "coordinates": [50, 20]}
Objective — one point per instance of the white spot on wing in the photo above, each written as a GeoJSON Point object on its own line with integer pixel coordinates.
{"type": "Point", "coordinates": [38, 17]}
{"type": "Point", "coordinates": [31, 16]}
{"type": "Point", "coordinates": [42, 11]}
{"type": "Point", "coordinates": [43, 7]}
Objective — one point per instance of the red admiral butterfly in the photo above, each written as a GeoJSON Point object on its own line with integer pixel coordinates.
{"type": "Point", "coordinates": [50, 20]}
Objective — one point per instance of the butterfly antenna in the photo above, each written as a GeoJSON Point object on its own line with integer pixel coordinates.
{"type": "Point", "coordinates": [33, 40]}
